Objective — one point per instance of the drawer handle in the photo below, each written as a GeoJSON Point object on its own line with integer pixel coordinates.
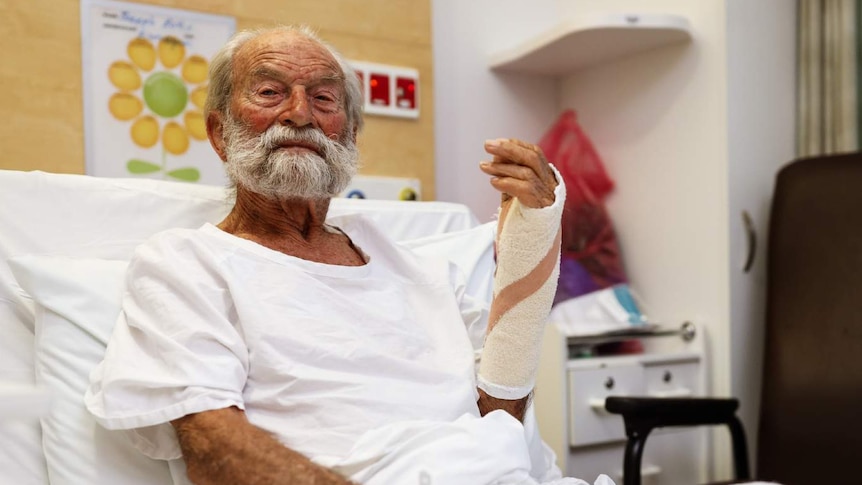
{"type": "Point", "coordinates": [646, 471]}
{"type": "Point", "coordinates": [598, 405]}
{"type": "Point", "coordinates": [681, 392]}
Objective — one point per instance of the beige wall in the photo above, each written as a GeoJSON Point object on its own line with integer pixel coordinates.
{"type": "Point", "coordinates": [41, 120]}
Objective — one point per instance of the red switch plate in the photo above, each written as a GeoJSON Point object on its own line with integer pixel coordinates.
{"type": "Point", "coordinates": [379, 84]}
{"type": "Point", "coordinates": [405, 92]}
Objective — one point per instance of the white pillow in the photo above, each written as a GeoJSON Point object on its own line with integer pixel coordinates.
{"type": "Point", "coordinates": [75, 214]}
{"type": "Point", "coordinates": [472, 250]}
{"type": "Point", "coordinates": [405, 220]}
{"type": "Point", "coordinates": [77, 303]}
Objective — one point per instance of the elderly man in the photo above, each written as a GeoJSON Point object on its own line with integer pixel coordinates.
{"type": "Point", "coordinates": [279, 346]}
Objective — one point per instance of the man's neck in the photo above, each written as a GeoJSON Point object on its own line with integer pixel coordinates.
{"type": "Point", "coordinates": [255, 216]}
{"type": "Point", "coordinates": [296, 227]}
{"type": "Point", "coordinates": [292, 226]}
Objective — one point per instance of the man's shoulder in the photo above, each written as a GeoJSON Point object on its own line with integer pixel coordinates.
{"type": "Point", "coordinates": [362, 229]}
{"type": "Point", "coordinates": [180, 242]}
{"type": "Point", "coordinates": [175, 236]}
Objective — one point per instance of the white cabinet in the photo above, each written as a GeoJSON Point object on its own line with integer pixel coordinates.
{"type": "Point", "coordinates": [589, 385]}
{"type": "Point", "coordinates": [672, 378]}
{"type": "Point", "coordinates": [592, 440]}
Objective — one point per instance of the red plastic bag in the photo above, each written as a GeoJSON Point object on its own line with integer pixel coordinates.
{"type": "Point", "coordinates": [590, 258]}
{"type": "Point", "coordinates": [572, 152]}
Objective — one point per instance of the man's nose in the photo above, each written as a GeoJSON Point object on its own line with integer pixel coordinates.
{"type": "Point", "coordinates": [297, 112]}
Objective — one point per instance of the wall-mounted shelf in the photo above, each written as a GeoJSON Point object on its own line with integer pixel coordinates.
{"type": "Point", "coordinates": [590, 40]}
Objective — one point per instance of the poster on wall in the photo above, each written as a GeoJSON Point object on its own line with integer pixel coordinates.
{"type": "Point", "coordinates": [145, 84]}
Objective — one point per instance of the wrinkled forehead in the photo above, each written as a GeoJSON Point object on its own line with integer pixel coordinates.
{"type": "Point", "coordinates": [291, 51]}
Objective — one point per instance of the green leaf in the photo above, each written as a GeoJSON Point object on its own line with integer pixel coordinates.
{"type": "Point", "coordinates": [141, 166]}
{"type": "Point", "coordinates": [188, 174]}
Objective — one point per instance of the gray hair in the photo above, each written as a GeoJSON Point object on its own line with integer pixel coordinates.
{"type": "Point", "coordinates": [221, 70]}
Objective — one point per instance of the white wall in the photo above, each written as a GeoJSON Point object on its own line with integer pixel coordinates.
{"type": "Point", "coordinates": [472, 104]}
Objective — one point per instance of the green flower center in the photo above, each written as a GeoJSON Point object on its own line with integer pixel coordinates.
{"type": "Point", "coordinates": [165, 94]}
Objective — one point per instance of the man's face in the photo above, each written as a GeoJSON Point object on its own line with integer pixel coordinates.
{"type": "Point", "coordinates": [285, 78]}
{"type": "Point", "coordinates": [286, 132]}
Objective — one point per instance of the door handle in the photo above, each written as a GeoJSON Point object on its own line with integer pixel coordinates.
{"type": "Point", "coordinates": [751, 238]}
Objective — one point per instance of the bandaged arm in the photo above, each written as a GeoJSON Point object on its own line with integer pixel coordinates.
{"type": "Point", "coordinates": [528, 260]}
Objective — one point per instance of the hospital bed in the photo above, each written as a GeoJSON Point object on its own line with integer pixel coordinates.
{"type": "Point", "coordinates": [64, 244]}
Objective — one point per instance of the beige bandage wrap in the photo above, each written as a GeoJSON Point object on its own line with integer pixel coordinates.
{"type": "Point", "coordinates": [528, 264]}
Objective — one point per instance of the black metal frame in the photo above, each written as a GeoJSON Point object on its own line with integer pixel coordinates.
{"type": "Point", "coordinates": [643, 414]}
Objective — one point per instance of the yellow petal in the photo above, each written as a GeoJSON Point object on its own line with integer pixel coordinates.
{"type": "Point", "coordinates": [125, 106]}
{"type": "Point", "coordinates": [195, 124]}
{"type": "Point", "coordinates": [145, 131]}
{"type": "Point", "coordinates": [199, 96]}
{"type": "Point", "coordinates": [142, 53]}
{"type": "Point", "coordinates": [195, 69]}
{"type": "Point", "coordinates": [124, 75]}
{"type": "Point", "coordinates": [171, 51]}
{"type": "Point", "coordinates": [175, 139]}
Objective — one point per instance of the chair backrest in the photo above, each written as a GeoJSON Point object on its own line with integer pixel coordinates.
{"type": "Point", "coordinates": [810, 431]}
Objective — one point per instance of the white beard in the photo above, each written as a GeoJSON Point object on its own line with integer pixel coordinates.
{"type": "Point", "coordinates": [256, 163]}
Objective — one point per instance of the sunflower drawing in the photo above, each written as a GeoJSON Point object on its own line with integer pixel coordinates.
{"type": "Point", "coordinates": [162, 92]}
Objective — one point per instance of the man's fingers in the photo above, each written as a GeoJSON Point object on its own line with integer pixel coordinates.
{"type": "Point", "coordinates": [522, 153]}
{"type": "Point", "coordinates": [520, 169]}
{"type": "Point", "coordinates": [501, 171]}
{"type": "Point", "coordinates": [515, 151]}
{"type": "Point", "coordinates": [507, 169]}
{"type": "Point", "coordinates": [529, 193]}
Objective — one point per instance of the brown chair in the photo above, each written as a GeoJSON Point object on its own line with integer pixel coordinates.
{"type": "Point", "coordinates": [810, 426]}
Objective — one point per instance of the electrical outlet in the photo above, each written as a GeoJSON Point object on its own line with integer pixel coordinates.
{"type": "Point", "coordinates": [383, 188]}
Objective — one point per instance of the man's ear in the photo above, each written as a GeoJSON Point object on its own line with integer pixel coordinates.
{"type": "Point", "coordinates": [215, 132]}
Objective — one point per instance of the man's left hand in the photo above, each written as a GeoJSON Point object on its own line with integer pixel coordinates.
{"type": "Point", "coordinates": [520, 169]}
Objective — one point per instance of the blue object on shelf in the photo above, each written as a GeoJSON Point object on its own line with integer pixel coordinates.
{"type": "Point", "coordinates": [624, 297]}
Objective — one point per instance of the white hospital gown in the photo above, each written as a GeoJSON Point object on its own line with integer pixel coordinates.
{"type": "Point", "coordinates": [319, 355]}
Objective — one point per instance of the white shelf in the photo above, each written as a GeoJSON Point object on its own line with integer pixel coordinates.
{"type": "Point", "coordinates": [592, 39]}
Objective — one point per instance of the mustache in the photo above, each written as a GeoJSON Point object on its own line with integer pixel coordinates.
{"type": "Point", "coordinates": [277, 136]}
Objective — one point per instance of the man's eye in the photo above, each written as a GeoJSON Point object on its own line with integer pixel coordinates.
{"type": "Point", "coordinates": [268, 92]}
{"type": "Point", "coordinates": [323, 97]}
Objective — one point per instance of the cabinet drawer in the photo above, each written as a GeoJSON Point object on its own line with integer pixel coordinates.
{"type": "Point", "coordinates": [672, 379]}
{"type": "Point", "coordinates": [589, 423]}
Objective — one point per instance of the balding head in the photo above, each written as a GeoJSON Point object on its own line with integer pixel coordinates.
{"type": "Point", "coordinates": [223, 80]}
